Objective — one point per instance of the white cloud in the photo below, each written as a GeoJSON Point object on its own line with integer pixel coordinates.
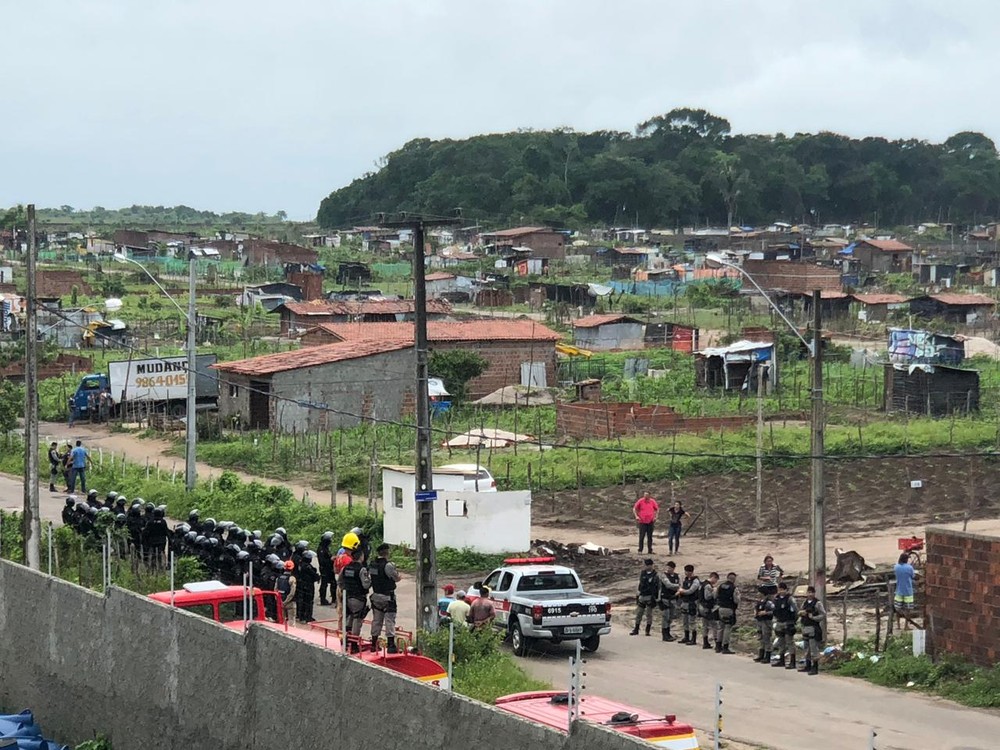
{"type": "Point", "coordinates": [256, 105]}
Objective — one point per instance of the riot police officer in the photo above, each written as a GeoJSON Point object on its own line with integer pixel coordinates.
{"type": "Point", "coordinates": [67, 511]}
{"type": "Point", "coordinates": [327, 580]}
{"type": "Point", "coordinates": [307, 577]}
{"type": "Point", "coordinates": [645, 601]}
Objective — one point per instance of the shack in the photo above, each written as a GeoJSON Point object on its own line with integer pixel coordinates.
{"type": "Point", "coordinates": [931, 390]}
{"type": "Point", "coordinates": [487, 522]}
{"type": "Point", "coordinates": [876, 308]}
{"type": "Point", "coordinates": [955, 308]}
{"type": "Point", "coordinates": [680, 338]}
{"type": "Point", "coordinates": [733, 367]}
{"type": "Point", "coordinates": [611, 332]}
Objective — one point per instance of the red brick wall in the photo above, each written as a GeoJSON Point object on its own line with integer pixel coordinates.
{"type": "Point", "coordinates": [792, 276]}
{"type": "Point", "coordinates": [962, 596]}
{"type": "Point", "coordinates": [610, 420]}
{"type": "Point", "coordinates": [505, 358]}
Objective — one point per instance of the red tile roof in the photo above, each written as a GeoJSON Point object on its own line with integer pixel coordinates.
{"type": "Point", "coordinates": [593, 321]}
{"type": "Point", "coordinates": [312, 356]}
{"type": "Point", "coordinates": [880, 299]}
{"type": "Point", "coordinates": [962, 299]}
{"type": "Point", "coordinates": [439, 276]}
{"type": "Point", "coordinates": [887, 246]}
{"type": "Point", "coordinates": [364, 307]}
{"type": "Point", "coordinates": [440, 330]}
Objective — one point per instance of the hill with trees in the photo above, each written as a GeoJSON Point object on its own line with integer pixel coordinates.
{"type": "Point", "coordinates": [682, 168]}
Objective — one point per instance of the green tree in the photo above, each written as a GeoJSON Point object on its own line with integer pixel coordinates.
{"type": "Point", "coordinates": [456, 367]}
{"type": "Point", "coordinates": [11, 405]}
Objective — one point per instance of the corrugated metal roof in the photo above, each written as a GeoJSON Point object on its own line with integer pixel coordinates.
{"type": "Point", "coordinates": [441, 330]}
{"type": "Point", "coordinates": [593, 321]}
{"type": "Point", "coordinates": [880, 299]}
{"type": "Point", "coordinates": [312, 356]}
{"type": "Point", "coordinates": [962, 299]}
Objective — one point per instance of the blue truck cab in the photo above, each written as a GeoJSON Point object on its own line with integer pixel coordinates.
{"type": "Point", "coordinates": [88, 396]}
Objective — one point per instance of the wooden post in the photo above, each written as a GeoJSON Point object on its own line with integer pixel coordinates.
{"type": "Point", "coordinates": [333, 476]}
{"type": "Point", "coordinates": [878, 622]}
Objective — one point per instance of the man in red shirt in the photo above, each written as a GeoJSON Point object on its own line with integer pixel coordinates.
{"type": "Point", "coordinates": [645, 511]}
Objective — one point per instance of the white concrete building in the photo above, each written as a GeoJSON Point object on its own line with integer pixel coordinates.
{"type": "Point", "coordinates": [488, 522]}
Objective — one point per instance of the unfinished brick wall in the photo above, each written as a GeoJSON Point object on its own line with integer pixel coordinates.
{"type": "Point", "coordinates": [962, 595]}
{"type": "Point", "coordinates": [505, 358]}
{"type": "Point", "coordinates": [610, 420]}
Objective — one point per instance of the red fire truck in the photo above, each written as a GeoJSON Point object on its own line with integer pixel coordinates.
{"type": "Point", "coordinates": [550, 708]}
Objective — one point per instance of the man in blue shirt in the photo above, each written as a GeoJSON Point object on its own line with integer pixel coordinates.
{"type": "Point", "coordinates": [79, 461]}
{"type": "Point", "coordinates": [903, 600]}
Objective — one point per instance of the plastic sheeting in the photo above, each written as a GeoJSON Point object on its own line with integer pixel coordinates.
{"type": "Point", "coordinates": [21, 730]}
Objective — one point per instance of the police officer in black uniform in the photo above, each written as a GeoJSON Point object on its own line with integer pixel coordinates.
{"type": "Point", "coordinates": [68, 512]}
{"type": "Point", "coordinates": [645, 601]}
{"type": "Point", "coordinates": [307, 576]}
{"type": "Point", "coordinates": [384, 577]}
{"type": "Point", "coordinates": [327, 579]}
{"type": "Point", "coordinates": [154, 538]}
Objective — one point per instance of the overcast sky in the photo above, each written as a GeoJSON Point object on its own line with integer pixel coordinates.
{"type": "Point", "coordinates": [250, 105]}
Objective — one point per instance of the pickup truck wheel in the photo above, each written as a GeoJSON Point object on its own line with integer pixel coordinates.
{"type": "Point", "coordinates": [591, 644]}
{"type": "Point", "coordinates": [518, 641]}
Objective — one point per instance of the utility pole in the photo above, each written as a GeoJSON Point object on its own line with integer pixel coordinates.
{"type": "Point", "coordinates": [191, 437]}
{"type": "Point", "coordinates": [761, 369]}
{"type": "Point", "coordinates": [817, 526]}
{"type": "Point", "coordinates": [427, 594]}
{"type": "Point", "coordinates": [32, 514]}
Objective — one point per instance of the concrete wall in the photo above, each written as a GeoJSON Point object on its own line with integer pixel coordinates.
{"type": "Point", "coordinates": [610, 419]}
{"type": "Point", "coordinates": [962, 599]}
{"type": "Point", "coordinates": [151, 678]}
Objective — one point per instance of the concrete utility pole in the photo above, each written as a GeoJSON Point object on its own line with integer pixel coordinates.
{"type": "Point", "coordinates": [427, 593]}
{"type": "Point", "coordinates": [817, 526]}
{"type": "Point", "coordinates": [191, 440]}
{"type": "Point", "coordinates": [32, 514]}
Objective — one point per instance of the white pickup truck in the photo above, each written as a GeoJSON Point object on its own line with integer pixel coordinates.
{"type": "Point", "coordinates": [537, 600]}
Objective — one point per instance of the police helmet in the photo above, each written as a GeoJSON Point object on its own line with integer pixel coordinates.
{"type": "Point", "coordinates": [279, 566]}
{"type": "Point", "coordinates": [327, 536]}
{"type": "Point", "coordinates": [182, 528]}
{"type": "Point", "coordinates": [149, 507]}
{"type": "Point", "coordinates": [242, 556]}
{"type": "Point", "coordinates": [200, 540]}
{"type": "Point", "coordinates": [157, 513]}
{"type": "Point", "coordinates": [257, 534]}
{"type": "Point", "coordinates": [120, 519]}
{"type": "Point", "coordinates": [209, 524]}
{"type": "Point", "coordinates": [255, 543]}
{"type": "Point", "coordinates": [273, 558]}
{"type": "Point", "coordinates": [91, 510]}
{"type": "Point", "coordinates": [92, 495]}
{"type": "Point", "coordinates": [213, 542]}
{"type": "Point", "coordinates": [275, 541]}
{"type": "Point", "coordinates": [162, 507]}
{"type": "Point", "coordinates": [191, 537]}
{"type": "Point", "coordinates": [309, 555]}
{"type": "Point", "coordinates": [350, 541]}
{"type": "Point", "coordinates": [302, 545]}
{"type": "Point", "coordinates": [112, 496]}
{"type": "Point", "coordinates": [80, 507]}
{"type": "Point", "coordinates": [70, 501]}
{"type": "Point", "coordinates": [281, 530]}
{"type": "Point", "coordinates": [193, 515]}
{"type": "Point", "coordinates": [358, 530]}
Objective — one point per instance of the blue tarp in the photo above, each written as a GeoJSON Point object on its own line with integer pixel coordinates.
{"type": "Point", "coordinates": [26, 735]}
{"type": "Point", "coordinates": [849, 250]}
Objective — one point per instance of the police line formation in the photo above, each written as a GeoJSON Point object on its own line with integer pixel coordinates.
{"type": "Point", "coordinates": [229, 553]}
{"type": "Point", "coordinates": [777, 615]}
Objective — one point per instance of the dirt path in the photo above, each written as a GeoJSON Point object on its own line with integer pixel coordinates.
{"type": "Point", "coordinates": [101, 440]}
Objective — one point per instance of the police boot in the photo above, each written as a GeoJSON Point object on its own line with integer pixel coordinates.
{"type": "Point", "coordinates": [704, 642]}
{"type": "Point", "coordinates": [374, 645]}
{"type": "Point", "coordinates": [648, 628]}
{"type": "Point", "coordinates": [52, 488]}
{"type": "Point", "coordinates": [814, 669]}
{"type": "Point", "coordinates": [767, 658]}
{"type": "Point", "coordinates": [791, 661]}
{"type": "Point", "coordinates": [780, 662]}
{"type": "Point", "coordinates": [726, 649]}
{"type": "Point", "coordinates": [391, 647]}
{"type": "Point", "coordinates": [668, 636]}
{"type": "Point", "coordinates": [694, 638]}
{"type": "Point", "coordinates": [808, 665]}
{"type": "Point", "coordinates": [634, 631]}
{"type": "Point", "coordinates": [760, 655]}
{"type": "Point", "coordinates": [686, 639]}
{"type": "Point", "coordinates": [718, 647]}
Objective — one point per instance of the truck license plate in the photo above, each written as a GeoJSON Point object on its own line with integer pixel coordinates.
{"type": "Point", "coordinates": [573, 630]}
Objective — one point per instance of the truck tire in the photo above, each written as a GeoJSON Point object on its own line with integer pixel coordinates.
{"type": "Point", "coordinates": [177, 410]}
{"type": "Point", "coordinates": [591, 644]}
{"type": "Point", "coordinates": [518, 641]}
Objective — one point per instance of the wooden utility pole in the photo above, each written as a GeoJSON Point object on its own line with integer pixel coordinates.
{"type": "Point", "coordinates": [427, 593]}
{"type": "Point", "coordinates": [32, 515]}
{"type": "Point", "coordinates": [761, 369]}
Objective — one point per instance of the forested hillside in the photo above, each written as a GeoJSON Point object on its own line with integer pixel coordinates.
{"type": "Point", "coordinates": [685, 167]}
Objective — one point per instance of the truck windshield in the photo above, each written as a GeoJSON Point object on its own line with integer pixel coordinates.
{"type": "Point", "coordinates": [547, 582]}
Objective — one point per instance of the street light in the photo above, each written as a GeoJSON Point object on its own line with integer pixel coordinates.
{"type": "Point", "coordinates": [817, 422]}
{"type": "Point", "coordinates": [191, 433]}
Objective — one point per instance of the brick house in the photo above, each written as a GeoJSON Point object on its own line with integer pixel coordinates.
{"type": "Point", "coordinates": [302, 316]}
{"type": "Point", "coordinates": [507, 345]}
{"type": "Point", "coordinates": [319, 387]}
{"type": "Point", "coordinates": [544, 242]}
{"type": "Point", "coordinates": [792, 276]}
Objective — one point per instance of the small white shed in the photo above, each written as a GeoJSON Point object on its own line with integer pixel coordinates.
{"type": "Point", "coordinates": [488, 522]}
